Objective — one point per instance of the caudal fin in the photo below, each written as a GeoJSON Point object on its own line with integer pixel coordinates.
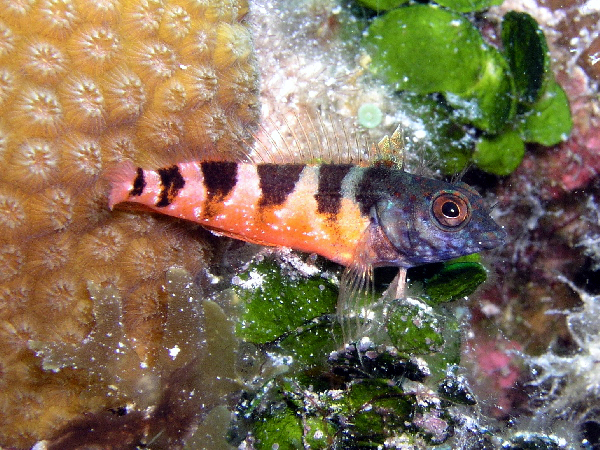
{"type": "Point", "coordinates": [121, 179]}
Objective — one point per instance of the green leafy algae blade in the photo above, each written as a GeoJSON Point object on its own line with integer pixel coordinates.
{"type": "Point", "coordinates": [426, 49]}
{"type": "Point", "coordinates": [455, 280]}
{"type": "Point", "coordinates": [468, 5]}
{"type": "Point", "coordinates": [549, 121]}
{"type": "Point", "coordinates": [277, 305]}
{"type": "Point", "coordinates": [382, 5]}
{"type": "Point", "coordinates": [500, 154]}
{"type": "Point", "coordinates": [527, 54]}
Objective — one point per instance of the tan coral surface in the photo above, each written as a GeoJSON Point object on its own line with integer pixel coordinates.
{"type": "Point", "coordinates": [85, 84]}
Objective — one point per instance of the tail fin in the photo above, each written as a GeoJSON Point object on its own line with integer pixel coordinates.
{"type": "Point", "coordinates": [121, 179]}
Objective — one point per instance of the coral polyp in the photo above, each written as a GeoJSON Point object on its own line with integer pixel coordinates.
{"type": "Point", "coordinates": [95, 48]}
{"type": "Point", "coordinates": [124, 95]}
{"type": "Point", "coordinates": [12, 211]}
{"type": "Point", "coordinates": [100, 11]}
{"type": "Point", "coordinates": [34, 163]}
{"type": "Point", "coordinates": [55, 18]}
{"type": "Point", "coordinates": [11, 259]}
{"type": "Point", "coordinates": [40, 109]}
{"type": "Point", "coordinates": [83, 104]}
{"type": "Point", "coordinates": [175, 24]}
{"type": "Point", "coordinates": [50, 211]}
{"type": "Point", "coordinates": [43, 61]}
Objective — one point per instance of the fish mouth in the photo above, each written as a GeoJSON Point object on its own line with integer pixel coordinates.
{"type": "Point", "coordinates": [493, 239]}
{"type": "Point", "coordinates": [490, 244]}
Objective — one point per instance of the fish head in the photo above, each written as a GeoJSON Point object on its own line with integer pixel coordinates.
{"type": "Point", "coordinates": [431, 221]}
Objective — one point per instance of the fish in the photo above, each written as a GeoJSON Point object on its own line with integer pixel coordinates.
{"type": "Point", "coordinates": [359, 217]}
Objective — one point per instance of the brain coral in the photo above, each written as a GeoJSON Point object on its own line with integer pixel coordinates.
{"type": "Point", "coordinates": [85, 84]}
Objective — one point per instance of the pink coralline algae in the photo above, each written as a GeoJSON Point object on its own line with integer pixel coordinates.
{"type": "Point", "coordinates": [495, 367]}
{"type": "Point", "coordinates": [572, 165]}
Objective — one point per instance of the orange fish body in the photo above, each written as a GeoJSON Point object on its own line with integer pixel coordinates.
{"type": "Point", "coordinates": [305, 207]}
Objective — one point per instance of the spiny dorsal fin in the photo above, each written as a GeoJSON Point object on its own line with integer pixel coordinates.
{"type": "Point", "coordinates": [389, 151]}
{"type": "Point", "coordinates": [309, 137]}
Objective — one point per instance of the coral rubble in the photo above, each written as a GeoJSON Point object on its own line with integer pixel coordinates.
{"type": "Point", "coordinates": [85, 85]}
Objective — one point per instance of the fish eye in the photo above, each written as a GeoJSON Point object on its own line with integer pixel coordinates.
{"type": "Point", "coordinates": [450, 210]}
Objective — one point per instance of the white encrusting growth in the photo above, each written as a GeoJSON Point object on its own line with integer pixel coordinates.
{"type": "Point", "coordinates": [564, 381]}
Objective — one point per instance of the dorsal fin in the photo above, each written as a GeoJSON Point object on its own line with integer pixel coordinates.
{"type": "Point", "coordinates": [311, 137]}
{"type": "Point", "coordinates": [389, 151]}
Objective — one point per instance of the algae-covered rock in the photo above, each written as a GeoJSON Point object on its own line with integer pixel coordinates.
{"type": "Point", "coordinates": [359, 395]}
{"type": "Point", "coordinates": [415, 328]}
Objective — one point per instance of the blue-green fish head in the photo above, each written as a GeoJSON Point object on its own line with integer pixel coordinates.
{"type": "Point", "coordinates": [428, 220]}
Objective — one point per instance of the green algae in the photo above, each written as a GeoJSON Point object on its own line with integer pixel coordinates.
{"type": "Point", "coordinates": [358, 395]}
{"type": "Point", "coordinates": [489, 104]}
{"type": "Point", "coordinates": [277, 305]}
{"type": "Point", "coordinates": [400, 46]}
{"type": "Point", "coordinates": [291, 315]}
{"type": "Point", "coordinates": [282, 429]}
{"type": "Point", "coordinates": [382, 5]}
{"type": "Point", "coordinates": [468, 5]}
{"type": "Point", "coordinates": [294, 314]}
{"type": "Point", "coordinates": [500, 154]}
{"type": "Point", "coordinates": [367, 412]}
{"type": "Point", "coordinates": [549, 120]}
{"type": "Point", "coordinates": [425, 49]}
{"type": "Point", "coordinates": [527, 54]}
{"type": "Point", "coordinates": [500, 98]}
{"type": "Point", "coordinates": [375, 408]}
{"type": "Point", "coordinates": [455, 280]}
{"type": "Point", "coordinates": [543, 113]}
{"type": "Point", "coordinates": [455, 5]}
{"type": "Point", "coordinates": [415, 328]}
{"type": "Point", "coordinates": [431, 332]}
{"type": "Point", "coordinates": [310, 346]}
